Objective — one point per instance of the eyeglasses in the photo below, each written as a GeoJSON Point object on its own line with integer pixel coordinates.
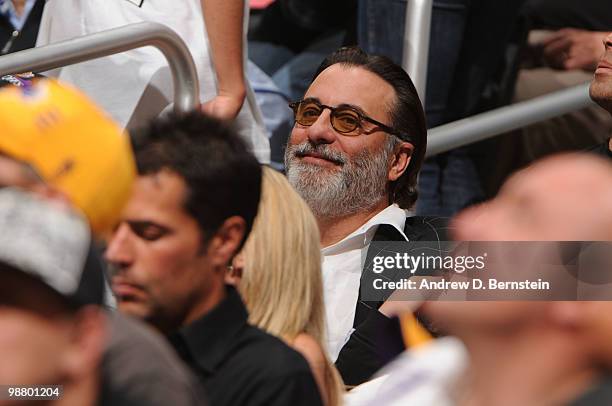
{"type": "Point", "coordinates": [344, 119]}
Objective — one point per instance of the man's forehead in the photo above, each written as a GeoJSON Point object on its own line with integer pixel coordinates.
{"type": "Point", "coordinates": [342, 84]}
{"type": "Point", "coordinates": [156, 195]}
{"type": "Point", "coordinates": [164, 181]}
{"type": "Point", "coordinates": [562, 197]}
{"type": "Point", "coordinates": [562, 175]}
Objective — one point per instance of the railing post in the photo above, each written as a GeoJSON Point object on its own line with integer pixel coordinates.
{"type": "Point", "coordinates": [104, 43]}
{"type": "Point", "coordinates": [416, 43]}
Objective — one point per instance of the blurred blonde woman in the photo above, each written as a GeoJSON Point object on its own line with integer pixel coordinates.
{"type": "Point", "coordinates": [278, 274]}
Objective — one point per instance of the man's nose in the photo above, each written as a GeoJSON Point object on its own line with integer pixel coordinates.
{"type": "Point", "coordinates": [321, 131]}
{"type": "Point", "coordinates": [119, 251]}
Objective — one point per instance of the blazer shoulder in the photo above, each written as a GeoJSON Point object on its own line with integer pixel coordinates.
{"type": "Point", "coordinates": [427, 228]}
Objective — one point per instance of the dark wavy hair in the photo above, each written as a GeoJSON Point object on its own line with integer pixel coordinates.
{"type": "Point", "coordinates": [407, 114]}
{"type": "Point", "coordinates": [223, 177]}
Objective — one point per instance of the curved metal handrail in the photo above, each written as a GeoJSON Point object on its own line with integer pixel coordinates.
{"type": "Point", "coordinates": [116, 40]}
{"type": "Point", "coordinates": [486, 125]}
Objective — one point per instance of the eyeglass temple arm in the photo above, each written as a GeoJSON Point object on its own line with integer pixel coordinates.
{"type": "Point", "coordinates": [388, 129]}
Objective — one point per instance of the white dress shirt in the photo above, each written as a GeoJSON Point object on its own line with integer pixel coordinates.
{"type": "Point", "coordinates": [342, 266]}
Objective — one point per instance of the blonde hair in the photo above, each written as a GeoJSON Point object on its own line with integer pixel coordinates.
{"type": "Point", "coordinates": [281, 283]}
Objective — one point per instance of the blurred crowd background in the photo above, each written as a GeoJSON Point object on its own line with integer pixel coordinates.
{"type": "Point", "coordinates": [150, 256]}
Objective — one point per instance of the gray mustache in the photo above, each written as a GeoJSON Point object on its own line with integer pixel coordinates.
{"type": "Point", "coordinates": [323, 150]}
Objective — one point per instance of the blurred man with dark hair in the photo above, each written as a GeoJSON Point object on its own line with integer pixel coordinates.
{"type": "Point", "coordinates": [191, 209]}
{"type": "Point", "coordinates": [354, 155]}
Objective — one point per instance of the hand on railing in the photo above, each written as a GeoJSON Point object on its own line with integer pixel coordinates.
{"type": "Point", "coordinates": [225, 106]}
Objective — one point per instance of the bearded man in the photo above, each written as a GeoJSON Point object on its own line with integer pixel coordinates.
{"type": "Point", "coordinates": [354, 155]}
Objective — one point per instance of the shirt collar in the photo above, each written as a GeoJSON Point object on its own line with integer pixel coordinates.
{"type": "Point", "coordinates": [393, 215]}
{"type": "Point", "coordinates": [209, 339]}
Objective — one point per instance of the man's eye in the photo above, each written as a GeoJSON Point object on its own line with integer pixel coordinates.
{"type": "Point", "coordinates": [311, 112]}
{"type": "Point", "coordinates": [151, 233]}
{"type": "Point", "coordinates": [148, 232]}
{"type": "Point", "coordinates": [348, 120]}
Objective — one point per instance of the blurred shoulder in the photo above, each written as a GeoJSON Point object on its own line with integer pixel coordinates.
{"type": "Point", "coordinates": [165, 380]}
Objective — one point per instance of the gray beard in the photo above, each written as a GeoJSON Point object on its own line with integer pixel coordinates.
{"type": "Point", "coordinates": [357, 185]}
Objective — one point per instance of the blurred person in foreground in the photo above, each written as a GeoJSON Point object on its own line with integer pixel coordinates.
{"type": "Point", "coordinates": [64, 147]}
{"type": "Point", "coordinates": [354, 155]}
{"type": "Point", "coordinates": [58, 146]}
{"type": "Point", "coordinates": [518, 353]}
{"type": "Point", "coordinates": [278, 275]}
{"type": "Point", "coordinates": [191, 209]}
{"type": "Point", "coordinates": [52, 329]}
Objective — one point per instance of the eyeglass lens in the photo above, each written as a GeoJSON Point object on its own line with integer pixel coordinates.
{"type": "Point", "coordinates": [343, 119]}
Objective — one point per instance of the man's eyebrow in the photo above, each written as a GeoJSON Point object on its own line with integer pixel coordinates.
{"type": "Point", "coordinates": [312, 99]}
{"type": "Point", "coordinates": [352, 106]}
{"type": "Point", "coordinates": [345, 105]}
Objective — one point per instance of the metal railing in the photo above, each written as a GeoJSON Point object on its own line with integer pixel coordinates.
{"type": "Point", "coordinates": [485, 125]}
{"type": "Point", "coordinates": [104, 43]}
{"type": "Point", "coordinates": [416, 43]}
{"type": "Point", "coordinates": [504, 119]}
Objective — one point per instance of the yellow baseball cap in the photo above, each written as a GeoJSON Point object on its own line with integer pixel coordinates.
{"type": "Point", "coordinates": [72, 145]}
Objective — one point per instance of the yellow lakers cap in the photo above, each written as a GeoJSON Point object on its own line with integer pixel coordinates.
{"type": "Point", "coordinates": [72, 145]}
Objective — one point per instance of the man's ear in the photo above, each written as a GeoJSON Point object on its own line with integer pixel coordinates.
{"type": "Point", "coordinates": [401, 157]}
{"type": "Point", "coordinates": [233, 274]}
{"type": "Point", "coordinates": [226, 241]}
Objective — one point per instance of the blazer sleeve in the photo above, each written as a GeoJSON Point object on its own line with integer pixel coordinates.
{"type": "Point", "coordinates": [373, 343]}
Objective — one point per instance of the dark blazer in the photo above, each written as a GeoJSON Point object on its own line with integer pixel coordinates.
{"type": "Point", "coordinates": [377, 339]}
{"type": "Point", "coordinates": [12, 40]}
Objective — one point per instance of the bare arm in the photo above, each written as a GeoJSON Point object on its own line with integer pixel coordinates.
{"type": "Point", "coordinates": [224, 19]}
